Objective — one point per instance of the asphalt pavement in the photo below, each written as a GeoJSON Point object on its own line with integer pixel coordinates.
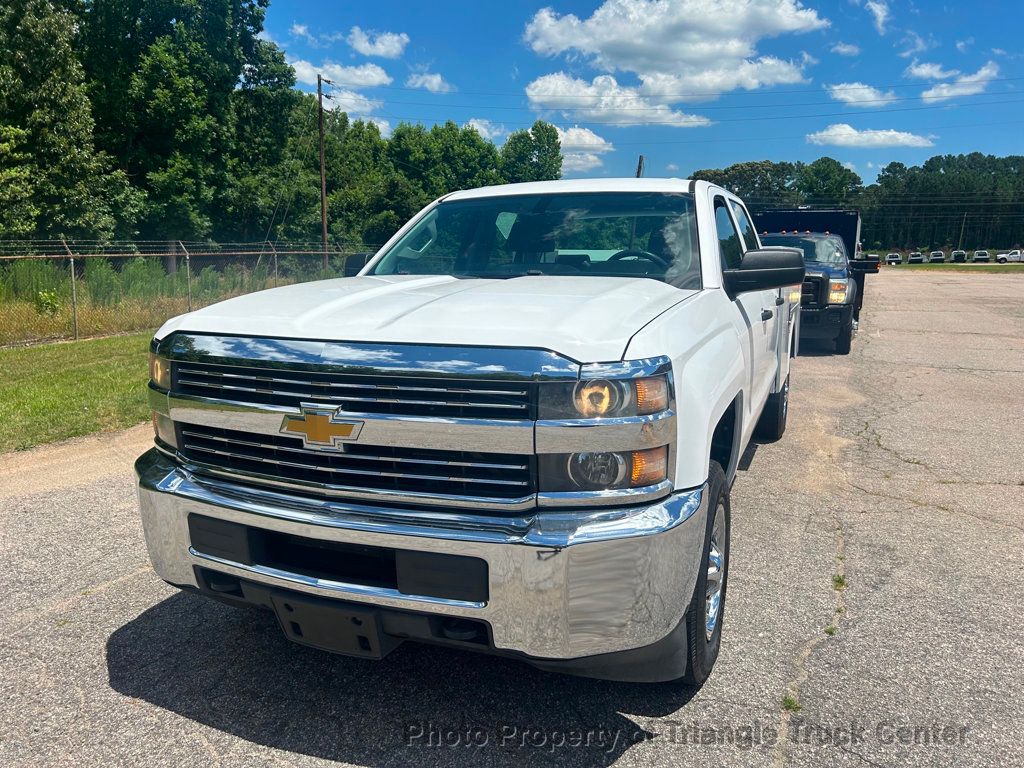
{"type": "Point", "coordinates": [873, 615]}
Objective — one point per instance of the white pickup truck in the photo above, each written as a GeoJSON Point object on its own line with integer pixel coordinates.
{"type": "Point", "coordinates": [1009, 256]}
{"type": "Point", "coordinates": [514, 431]}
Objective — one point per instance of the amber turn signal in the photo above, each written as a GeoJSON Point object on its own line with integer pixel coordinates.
{"type": "Point", "coordinates": [649, 467]}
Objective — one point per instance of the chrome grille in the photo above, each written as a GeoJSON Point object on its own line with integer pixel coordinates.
{"type": "Point", "coordinates": [401, 470]}
{"type": "Point", "coordinates": [398, 395]}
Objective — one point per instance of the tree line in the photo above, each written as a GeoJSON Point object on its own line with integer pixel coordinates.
{"type": "Point", "coordinates": [973, 201]}
{"type": "Point", "coordinates": [176, 120]}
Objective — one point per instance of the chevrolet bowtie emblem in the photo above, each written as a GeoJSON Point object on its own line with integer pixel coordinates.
{"type": "Point", "coordinates": [321, 428]}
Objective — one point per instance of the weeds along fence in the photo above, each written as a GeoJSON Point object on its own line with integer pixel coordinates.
{"type": "Point", "coordinates": [54, 290]}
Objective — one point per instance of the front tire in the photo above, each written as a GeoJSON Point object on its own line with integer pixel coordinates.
{"type": "Point", "coordinates": [706, 612]}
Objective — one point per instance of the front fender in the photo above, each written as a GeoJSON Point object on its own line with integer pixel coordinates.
{"type": "Point", "coordinates": [710, 366]}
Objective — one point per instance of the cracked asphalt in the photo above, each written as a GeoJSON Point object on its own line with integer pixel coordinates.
{"type": "Point", "coordinates": [900, 481]}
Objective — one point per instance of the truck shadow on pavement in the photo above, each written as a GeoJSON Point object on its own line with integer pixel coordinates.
{"type": "Point", "coordinates": [232, 670]}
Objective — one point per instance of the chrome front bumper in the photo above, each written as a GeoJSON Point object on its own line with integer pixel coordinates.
{"type": "Point", "coordinates": [562, 584]}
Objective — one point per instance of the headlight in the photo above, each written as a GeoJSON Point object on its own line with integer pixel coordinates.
{"type": "Point", "coordinates": [159, 371]}
{"type": "Point", "coordinates": [605, 398]}
{"type": "Point", "coordinates": [837, 291]}
{"type": "Point", "coordinates": [603, 470]}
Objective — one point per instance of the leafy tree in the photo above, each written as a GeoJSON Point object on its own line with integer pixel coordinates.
{"type": "Point", "coordinates": [18, 210]}
{"type": "Point", "coordinates": [48, 132]}
{"type": "Point", "coordinates": [533, 155]}
{"type": "Point", "coordinates": [760, 183]}
{"type": "Point", "coordinates": [827, 179]}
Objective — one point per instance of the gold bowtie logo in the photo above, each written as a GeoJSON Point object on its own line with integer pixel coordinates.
{"type": "Point", "coordinates": [320, 428]}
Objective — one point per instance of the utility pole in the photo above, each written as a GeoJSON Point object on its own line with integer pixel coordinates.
{"type": "Point", "coordinates": [640, 167]}
{"type": "Point", "coordinates": [963, 224]}
{"type": "Point", "coordinates": [320, 80]}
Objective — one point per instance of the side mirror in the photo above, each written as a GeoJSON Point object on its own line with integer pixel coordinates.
{"type": "Point", "coordinates": [356, 262]}
{"type": "Point", "coordinates": [765, 269]}
{"type": "Point", "coordinates": [867, 266]}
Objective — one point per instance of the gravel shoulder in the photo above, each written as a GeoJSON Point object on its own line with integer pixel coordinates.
{"type": "Point", "coordinates": [900, 477]}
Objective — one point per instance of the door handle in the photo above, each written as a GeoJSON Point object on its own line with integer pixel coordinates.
{"type": "Point", "coordinates": [767, 314]}
{"type": "Point", "coordinates": [779, 301]}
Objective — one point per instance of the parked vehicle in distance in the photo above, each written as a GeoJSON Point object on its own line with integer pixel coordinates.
{"type": "Point", "coordinates": [958, 257]}
{"type": "Point", "coordinates": [936, 257]}
{"type": "Point", "coordinates": [514, 431]}
{"type": "Point", "coordinates": [915, 257]}
{"type": "Point", "coordinates": [894, 259]}
{"type": "Point", "coordinates": [1009, 256]}
{"type": "Point", "coordinates": [980, 256]}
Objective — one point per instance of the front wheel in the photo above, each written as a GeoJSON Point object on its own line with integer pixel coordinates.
{"type": "Point", "coordinates": [706, 613]}
{"type": "Point", "coordinates": [1002, 261]}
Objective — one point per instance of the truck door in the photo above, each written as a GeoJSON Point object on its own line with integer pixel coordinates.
{"type": "Point", "coordinates": [754, 308]}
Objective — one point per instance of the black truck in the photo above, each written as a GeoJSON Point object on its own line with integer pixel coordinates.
{"type": "Point", "coordinates": [833, 288]}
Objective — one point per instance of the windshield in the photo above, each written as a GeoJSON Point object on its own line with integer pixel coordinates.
{"type": "Point", "coordinates": [818, 250]}
{"type": "Point", "coordinates": [650, 235]}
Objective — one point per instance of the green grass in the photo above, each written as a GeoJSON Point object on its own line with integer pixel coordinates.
{"type": "Point", "coordinates": [790, 704]}
{"type": "Point", "coordinates": [838, 582]}
{"type": "Point", "coordinates": [56, 391]}
{"type": "Point", "coordinates": [981, 269]}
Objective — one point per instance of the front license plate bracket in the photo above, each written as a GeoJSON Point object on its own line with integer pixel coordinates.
{"type": "Point", "coordinates": [332, 626]}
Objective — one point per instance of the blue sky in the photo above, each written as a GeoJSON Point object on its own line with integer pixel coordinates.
{"type": "Point", "coordinates": [689, 83]}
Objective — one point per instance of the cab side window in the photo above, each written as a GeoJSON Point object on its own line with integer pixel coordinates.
{"type": "Point", "coordinates": [730, 248]}
{"type": "Point", "coordinates": [747, 231]}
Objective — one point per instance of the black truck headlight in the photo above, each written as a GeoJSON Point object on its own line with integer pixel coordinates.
{"type": "Point", "coordinates": [603, 470]}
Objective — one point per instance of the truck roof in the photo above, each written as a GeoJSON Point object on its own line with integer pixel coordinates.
{"type": "Point", "coordinates": [576, 185]}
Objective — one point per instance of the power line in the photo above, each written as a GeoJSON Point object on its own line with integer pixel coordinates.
{"type": "Point", "coordinates": [699, 95]}
{"type": "Point", "coordinates": [696, 123]}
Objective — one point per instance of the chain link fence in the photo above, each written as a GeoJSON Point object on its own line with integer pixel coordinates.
{"type": "Point", "coordinates": [54, 290]}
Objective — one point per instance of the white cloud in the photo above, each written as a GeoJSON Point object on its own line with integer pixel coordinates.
{"type": "Point", "coordinates": [317, 41]}
{"type": "Point", "coordinates": [686, 48]}
{"type": "Point", "coordinates": [845, 49]}
{"type": "Point", "coordinates": [430, 81]}
{"type": "Point", "coordinates": [671, 167]}
{"type": "Point", "coordinates": [581, 148]}
{"type": "Point", "coordinates": [843, 135]}
{"type": "Point", "coordinates": [927, 71]}
{"type": "Point", "coordinates": [850, 166]}
{"type": "Point", "coordinates": [963, 45]}
{"type": "Point", "coordinates": [301, 30]}
{"type": "Point", "coordinates": [998, 52]}
{"type": "Point", "coordinates": [915, 44]}
{"type": "Point", "coordinates": [860, 95]}
{"type": "Point", "coordinates": [642, 36]}
{"type": "Point", "coordinates": [965, 85]}
{"type": "Point", "coordinates": [577, 139]}
{"type": "Point", "coordinates": [604, 100]}
{"type": "Point", "coordinates": [746, 74]}
{"type": "Point", "coordinates": [879, 10]}
{"type": "Point", "coordinates": [488, 129]}
{"type": "Point", "coordinates": [363, 76]}
{"type": "Point", "coordinates": [355, 104]}
{"type": "Point", "coordinates": [575, 162]}
{"type": "Point", "coordinates": [387, 45]}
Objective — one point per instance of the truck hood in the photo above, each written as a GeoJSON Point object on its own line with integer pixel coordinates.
{"type": "Point", "coordinates": [589, 319]}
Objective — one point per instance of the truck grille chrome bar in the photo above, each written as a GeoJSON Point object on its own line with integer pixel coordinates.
{"type": "Point", "coordinates": [400, 395]}
{"type": "Point", "coordinates": [401, 470]}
